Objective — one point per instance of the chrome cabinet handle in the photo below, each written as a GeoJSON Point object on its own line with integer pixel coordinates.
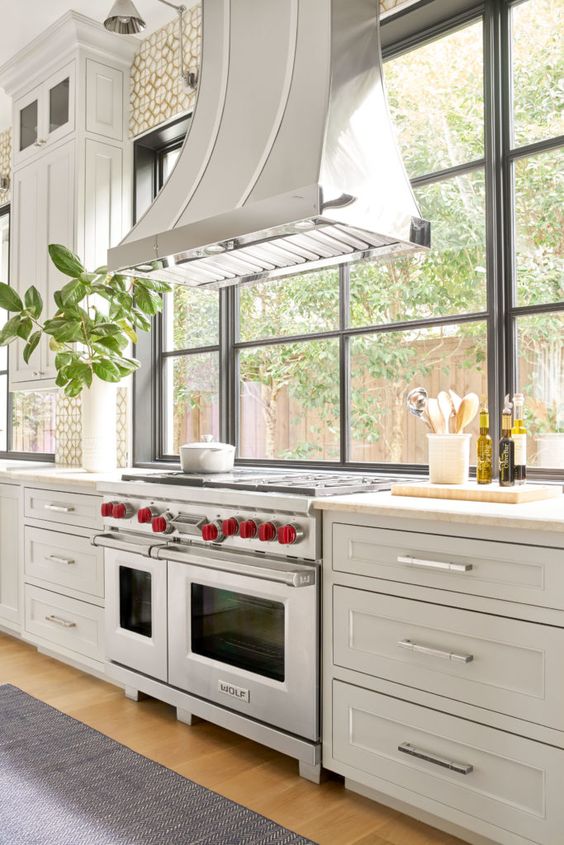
{"type": "Point", "coordinates": [444, 566]}
{"type": "Point", "coordinates": [57, 559]}
{"type": "Point", "coordinates": [429, 757]}
{"type": "Point", "coordinates": [40, 142]}
{"type": "Point", "coordinates": [37, 373]}
{"type": "Point", "coordinates": [436, 652]}
{"type": "Point", "coordinates": [59, 508]}
{"type": "Point", "coordinates": [56, 620]}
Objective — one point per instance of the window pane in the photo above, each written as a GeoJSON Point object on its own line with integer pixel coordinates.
{"type": "Point", "coordinates": [450, 279]}
{"type": "Point", "coordinates": [436, 99]}
{"type": "Point", "coordinates": [59, 105]}
{"type": "Point", "coordinates": [191, 397]}
{"type": "Point", "coordinates": [3, 412]}
{"type": "Point", "coordinates": [191, 318]}
{"type": "Point", "coordinates": [538, 69]}
{"type": "Point", "coordinates": [169, 159]}
{"type": "Point", "coordinates": [33, 422]}
{"type": "Point", "coordinates": [539, 228]}
{"type": "Point", "coordinates": [28, 125]}
{"type": "Point", "coordinates": [540, 345]}
{"type": "Point", "coordinates": [289, 401]}
{"type": "Point", "coordinates": [298, 305]}
{"type": "Point", "coordinates": [387, 365]}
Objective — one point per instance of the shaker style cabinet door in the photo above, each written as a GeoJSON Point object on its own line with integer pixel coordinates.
{"type": "Point", "coordinates": [9, 556]}
{"type": "Point", "coordinates": [43, 213]}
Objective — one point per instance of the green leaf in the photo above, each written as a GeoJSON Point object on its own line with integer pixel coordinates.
{"type": "Point", "coordinates": [31, 346]}
{"type": "Point", "coordinates": [64, 331]}
{"type": "Point", "coordinates": [79, 371]}
{"type": "Point", "coordinates": [154, 284]}
{"type": "Point", "coordinates": [63, 359]}
{"type": "Point", "coordinates": [102, 344]}
{"type": "Point", "coordinates": [73, 388]}
{"type": "Point", "coordinates": [25, 327]}
{"type": "Point", "coordinates": [54, 345]}
{"type": "Point", "coordinates": [129, 331]}
{"type": "Point", "coordinates": [33, 301]}
{"type": "Point", "coordinates": [66, 261]}
{"type": "Point", "coordinates": [147, 301]}
{"type": "Point", "coordinates": [9, 299]}
{"type": "Point", "coordinates": [73, 292]}
{"type": "Point", "coordinates": [105, 328]}
{"type": "Point", "coordinates": [101, 271]}
{"type": "Point", "coordinates": [106, 370]}
{"type": "Point", "coordinates": [10, 330]}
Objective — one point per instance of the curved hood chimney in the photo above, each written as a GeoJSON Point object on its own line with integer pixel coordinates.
{"type": "Point", "coordinates": [290, 162]}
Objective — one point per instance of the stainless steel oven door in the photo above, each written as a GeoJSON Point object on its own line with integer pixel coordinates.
{"type": "Point", "coordinates": [247, 642]}
{"type": "Point", "coordinates": [136, 612]}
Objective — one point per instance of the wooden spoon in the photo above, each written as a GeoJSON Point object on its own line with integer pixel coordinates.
{"type": "Point", "coordinates": [467, 411]}
{"type": "Point", "coordinates": [455, 401]}
{"type": "Point", "coordinates": [436, 416]}
{"type": "Point", "coordinates": [446, 408]}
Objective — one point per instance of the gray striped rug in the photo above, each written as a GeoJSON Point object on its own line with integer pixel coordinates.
{"type": "Point", "coordinates": [63, 783]}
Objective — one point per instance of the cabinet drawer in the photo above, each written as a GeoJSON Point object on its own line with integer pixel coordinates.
{"type": "Point", "coordinates": [512, 572]}
{"type": "Point", "coordinates": [66, 622]}
{"type": "Point", "coordinates": [505, 780]}
{"type": "Point", "coordinates": [64, 560]}
{"type": "Point", "coordinates": [500, 664]}
{"type": "Point", "coordinates": [63, 507]}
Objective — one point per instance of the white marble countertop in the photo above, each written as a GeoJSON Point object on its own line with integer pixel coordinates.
{"type": "Point", "coordinates": [29, 472]}
{"type": "Point", "coordinates": [545, 515]}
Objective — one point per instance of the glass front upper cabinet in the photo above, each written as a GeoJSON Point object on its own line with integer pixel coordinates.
{"type": "Point", "coordinates": [45, 114]}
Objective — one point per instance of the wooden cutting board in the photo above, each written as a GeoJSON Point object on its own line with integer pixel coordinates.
{"type": "Point", "coordinates": [478, 492]}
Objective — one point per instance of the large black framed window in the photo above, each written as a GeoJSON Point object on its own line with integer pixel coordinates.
{"type": "Point", "coordinates": [314, 369]}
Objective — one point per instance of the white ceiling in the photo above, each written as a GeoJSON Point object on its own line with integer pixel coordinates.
{"type": "Point", "coordinates": [23, 20]}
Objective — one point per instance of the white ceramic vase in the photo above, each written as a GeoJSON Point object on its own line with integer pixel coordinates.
{"type": "Point", "coordinates": [99, 453]}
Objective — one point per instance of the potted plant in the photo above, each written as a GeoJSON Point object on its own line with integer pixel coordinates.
{"type": "Point", "coordinates": [96, 320]}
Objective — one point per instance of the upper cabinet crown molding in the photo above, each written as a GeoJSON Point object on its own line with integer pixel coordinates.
{"type": "Point", "coordinates": [56, 45]}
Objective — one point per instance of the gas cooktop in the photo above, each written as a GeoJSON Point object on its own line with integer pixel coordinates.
{"type": "Point", "coordinates": [314, 484]}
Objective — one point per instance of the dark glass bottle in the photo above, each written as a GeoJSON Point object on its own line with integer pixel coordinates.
{"type": "Point", "coordinates": [506, 452]}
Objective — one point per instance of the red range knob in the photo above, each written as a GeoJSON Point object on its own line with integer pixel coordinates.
{"type": "Point", "coordinates": [248, 529]}
{"type": "Point", "coordinates": [159, 524]}
{"type": "Point", "coordinates": [106, 508]}
{"type": "Point", "coordinates": [267, 532]}
{"type": "Point", "coordinates": [210, 532]}
{"type": "Point", "coordinates": [289, 534]}
{"type": "Point", "coordinates": [144, 515]}
{"type": "Point", "coordinates": [230, 527]}
{"type": "Point", "coordinates": [120, 510]}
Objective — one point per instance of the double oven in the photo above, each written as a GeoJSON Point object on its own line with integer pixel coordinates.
{"type": "Point", "coordinates": [230, 625]}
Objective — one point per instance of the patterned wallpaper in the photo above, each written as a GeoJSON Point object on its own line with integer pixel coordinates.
{"type": "Point", "coordinates": [157, 92]}
{"type": "Point", "coordinates": [5, 161]}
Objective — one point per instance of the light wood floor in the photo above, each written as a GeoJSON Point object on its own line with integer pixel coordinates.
{"type": "Point", "coordinates": [255, 776]}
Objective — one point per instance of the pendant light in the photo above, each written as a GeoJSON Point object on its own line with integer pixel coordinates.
{"type": "Point", "coordinates": [124, 19]}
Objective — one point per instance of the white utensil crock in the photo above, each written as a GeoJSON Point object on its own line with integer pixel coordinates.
{"type": "Point", "coordinates": [449, 458]}
{"type": "Point", "coordinates": [99, 452]}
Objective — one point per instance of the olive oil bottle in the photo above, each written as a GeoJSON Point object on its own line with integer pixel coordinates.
{"type": "Point", "coordinates": [519, 435]}
{"type": "Point", "coordinates": [506, 451]}
{"type": "Point", "coordinates": [484, 458]}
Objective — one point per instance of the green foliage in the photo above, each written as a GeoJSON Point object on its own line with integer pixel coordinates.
{"type": "Point", "coordinates": [96, 318]}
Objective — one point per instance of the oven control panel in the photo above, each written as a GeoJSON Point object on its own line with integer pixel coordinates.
{"type": "Point", "coordinates": [270, 532]}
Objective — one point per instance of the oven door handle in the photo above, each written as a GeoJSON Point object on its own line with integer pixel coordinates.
{"type": "Point", "coordinates": [300, 576]}
{"type": "Point", "coordinates": [111, 541]}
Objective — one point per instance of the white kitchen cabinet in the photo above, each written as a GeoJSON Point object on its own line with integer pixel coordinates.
{"type": "Point", "coordinates": [443, 693]}
{"type": "Point", "coordinates": [9, 556]}
{"type": "Point", "coordinates": [71, 161]}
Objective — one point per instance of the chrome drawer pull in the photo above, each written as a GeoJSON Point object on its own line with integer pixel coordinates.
{"type": "Point", "coordinates": [56, 620]}
{"type": "Point", "coordinates": [413, 751]}
{"type": "Point", "coordinates": [57, 559]}
{"type": "Point", "coordinates": [436, 652]}
{"type": "Point", "coordinates": [59, 508]}
{"type": "Point", "coordinates": [445, 566]}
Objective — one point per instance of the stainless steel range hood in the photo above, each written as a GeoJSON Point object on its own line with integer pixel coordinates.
{"type": "Point", "coordinates": [290, 162]}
